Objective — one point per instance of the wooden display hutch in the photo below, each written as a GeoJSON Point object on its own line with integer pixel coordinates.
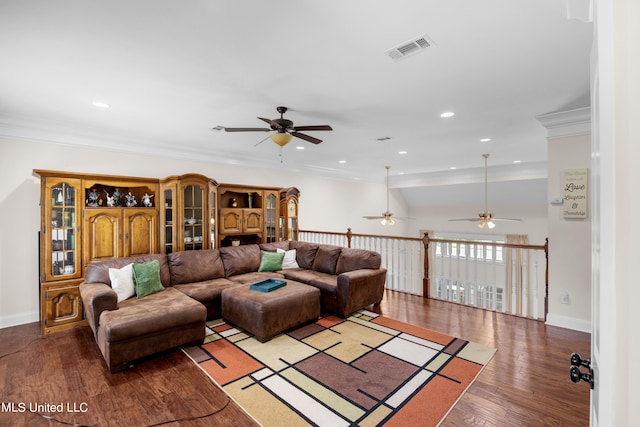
{"type": "Point", "coordinates": [119, 217]}
{"type": "Point", "coordinates": [188, 213]}
{"type": "Point", "coordinates": [85, 218]}
{"type": "Point", "coordinates": [247, 215]}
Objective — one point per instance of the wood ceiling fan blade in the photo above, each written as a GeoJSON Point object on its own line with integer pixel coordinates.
{"type": "Point", "coordinates": [247, 129]}
{"type": "Point", "coordinates": [316, 127]}
{"type": "Point", "coordinates": [274, 125]}
{"type": "Point", "coordinates": [306, 137]}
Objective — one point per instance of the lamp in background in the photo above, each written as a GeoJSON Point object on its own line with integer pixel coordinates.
{"type": "Point", "coordinates": [281, 138]}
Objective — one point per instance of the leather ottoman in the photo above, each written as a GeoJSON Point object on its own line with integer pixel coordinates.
{"type": "Point", "coordinates": [265, 314]}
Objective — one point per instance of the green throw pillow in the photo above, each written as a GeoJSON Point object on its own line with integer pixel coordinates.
{"type": "Point", "coordinates": [270, 261]}
{"type": "Point", "coordinates": [147, 278]}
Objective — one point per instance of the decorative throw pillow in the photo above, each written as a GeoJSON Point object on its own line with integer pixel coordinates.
{"type": "Point", "coordinates": [147, 278]}
{"type": "Point", "coordinates": [122, 282]}
{"type": "Point", "coordinates": [289, 260]}
{"type": "Point", "coordinates": [270, 261]}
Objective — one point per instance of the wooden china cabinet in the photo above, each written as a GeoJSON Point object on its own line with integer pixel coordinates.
{"type": "Point", "coordinates": [87, 218]}
{"type": "Point", "coordinates": [248, 214]}
{"type": "Point", "coordinates": [60, 252]}
{"type": "Point", "coordinates": [122, 221]}
{"type": "Point", "coordinates": [188, 213]}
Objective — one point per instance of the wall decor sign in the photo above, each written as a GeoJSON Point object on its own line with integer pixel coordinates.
{"type": "Point", "coordinates": [576, 193]}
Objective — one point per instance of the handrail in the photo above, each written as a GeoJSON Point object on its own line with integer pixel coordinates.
{"type": "Point", "coordinates": [349, 234]}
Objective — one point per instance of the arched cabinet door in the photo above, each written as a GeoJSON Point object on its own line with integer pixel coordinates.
{"type": "Point", "coordinates": [140, 232]}
{"type": "Point", "coordinates": [103, 234]}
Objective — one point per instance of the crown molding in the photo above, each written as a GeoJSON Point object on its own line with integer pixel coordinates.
{"type": "Point", "coordinates": [567, 123]}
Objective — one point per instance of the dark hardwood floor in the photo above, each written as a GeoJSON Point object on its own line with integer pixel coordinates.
{"type": "Point", "coordinates": [525, 384]}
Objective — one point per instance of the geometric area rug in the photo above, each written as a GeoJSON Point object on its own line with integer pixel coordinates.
{"type": "Point", "coordinates": [366, 370]}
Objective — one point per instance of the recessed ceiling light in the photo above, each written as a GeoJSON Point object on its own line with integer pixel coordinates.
{"type": "Point", "coordinates": [447, 114]}
{"type": "Point", "coordinates": [517, 161]}
{"type": "Point", "coordinates": [100, 104]}
{"type": "Point", "coordinates": [453, 168]}
{"type": "Point", "coordinates": [485, 140]}
{"type": "Point", "coordinates": [299, 147]}
{"type": "Point", "coordinates": [402, 152]}
{"type": "Point", "coordinates": [342, 161]}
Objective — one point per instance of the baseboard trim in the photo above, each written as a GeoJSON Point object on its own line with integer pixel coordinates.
{"type": "Point", "coordinates": [19, 319]}
{"type": "Point", "coordinates": [568, 322]}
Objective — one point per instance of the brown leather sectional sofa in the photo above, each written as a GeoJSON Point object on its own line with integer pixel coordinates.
{"type": "Point", "coordinates": [193, 281]}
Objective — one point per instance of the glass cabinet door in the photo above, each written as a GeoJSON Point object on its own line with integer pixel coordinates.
{"type": "Point", "coordinates": [271, 217]}
{"type": "Point", "coordinates": [292, 216]}
{"type": "Point", "coordinates": [193, 217]}
{"type": "Point", "coordinates": [212, 214]}
{"type": "Point", "coordinates": [62, 260]}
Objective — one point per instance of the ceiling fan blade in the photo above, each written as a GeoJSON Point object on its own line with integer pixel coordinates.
{"type": "Point", "coordinates": [507, 219]}
{"type": "Point", "coordinates": [317, 127]}
{"type": "Point", "coordinates": [467, 219]}
{"type": "Point", "coordinates": [373, 217]}
{"type": "Point", "coordinates": [274, 125]}
{"type": "Point", "coordinates": [247, 129]}
{"type": "Point", "coordinates": [306, 137]}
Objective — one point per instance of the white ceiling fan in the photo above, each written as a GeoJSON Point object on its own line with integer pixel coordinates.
{"type": "Point", "coordinates": [485, 218]}
{"type": "Point", "coordinates": [386, 217]}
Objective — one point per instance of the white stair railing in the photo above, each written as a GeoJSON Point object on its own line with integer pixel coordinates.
{"type": "Point", "coordinates": [508, 278]}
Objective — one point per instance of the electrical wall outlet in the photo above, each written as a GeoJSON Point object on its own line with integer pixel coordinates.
{"type": "Point", "coordinates": [564, 297]}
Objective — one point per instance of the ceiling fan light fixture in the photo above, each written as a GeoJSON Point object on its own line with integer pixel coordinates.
{"type": "Point", "coordinates": [281, 139]}
{"type": "Point", "coordinates": [387, 220]}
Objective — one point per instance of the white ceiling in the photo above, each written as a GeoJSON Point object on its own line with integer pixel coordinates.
{"type": "Point", "coordinates": [172, 70]}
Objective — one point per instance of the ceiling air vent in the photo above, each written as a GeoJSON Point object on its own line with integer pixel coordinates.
{"type": "Point", "coordinates": [410, 47]}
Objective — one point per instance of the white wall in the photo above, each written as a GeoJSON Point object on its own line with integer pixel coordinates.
{"type": "Point", "coordinates": [569, 239]}
{"type": "Point", "coordinates": [623, 142]}
{"type": "Point", "coordinates": [325, 204]}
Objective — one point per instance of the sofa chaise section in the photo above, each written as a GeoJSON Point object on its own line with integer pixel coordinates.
{"type": "Point", "coordinates": [137, 327]}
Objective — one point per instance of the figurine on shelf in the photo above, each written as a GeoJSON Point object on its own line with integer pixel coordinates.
{"type": "Point", "coordinates": [110, 200]}
{"type": "Point", "coordinates": [92, 200]}
{"type": "Point", "coordinates": [117, 197]}
{"type": "Point", "coordinates": [146, 200]}
{"type": "Point", "coordinates": [131, 200]}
